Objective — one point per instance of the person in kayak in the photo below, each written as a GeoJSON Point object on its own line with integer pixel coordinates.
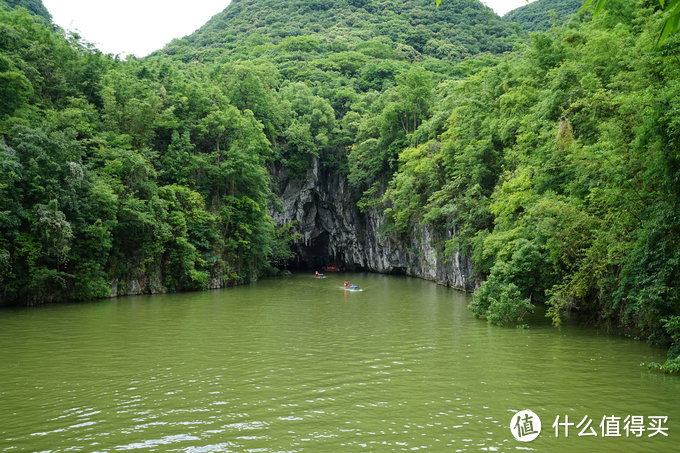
{"type": "Point", "coordinates": [346, 284]}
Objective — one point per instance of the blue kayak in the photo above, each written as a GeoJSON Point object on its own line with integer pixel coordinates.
{"type": "Point", "coordinates": [352, 288]}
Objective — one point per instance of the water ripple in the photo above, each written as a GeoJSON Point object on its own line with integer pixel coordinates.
{"type": "Point", "coordinates": [297, 367]}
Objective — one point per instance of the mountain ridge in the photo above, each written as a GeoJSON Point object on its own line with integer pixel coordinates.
{"type": "Point", "coordinates": [416, 23]}
{"type": "Point", "coordinates": [541, 15]}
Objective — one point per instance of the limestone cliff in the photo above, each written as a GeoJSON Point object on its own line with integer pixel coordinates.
{"type": "Point", "coordinates": [335, 232]}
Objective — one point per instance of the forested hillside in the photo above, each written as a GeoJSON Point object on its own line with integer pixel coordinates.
{"type": "Point", "coordinates": [556, 165]}
{"type": "Point", "coordinates": [543, 14]}
{"type": "Point", "coordinates": [311, 29]}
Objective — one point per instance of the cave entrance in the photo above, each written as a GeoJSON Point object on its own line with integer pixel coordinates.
{"type": "Point", "coordinates": [316, 254]}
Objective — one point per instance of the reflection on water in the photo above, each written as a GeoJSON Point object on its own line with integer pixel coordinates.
{"type": "Point", "coordinates": [298, 364]}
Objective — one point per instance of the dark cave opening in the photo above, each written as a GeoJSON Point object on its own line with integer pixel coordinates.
{"type": "Point", "coordinates": [315, 255]}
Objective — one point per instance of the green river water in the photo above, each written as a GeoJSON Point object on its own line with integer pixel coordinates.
{"type": "Point", "coordinates": [298, 364]}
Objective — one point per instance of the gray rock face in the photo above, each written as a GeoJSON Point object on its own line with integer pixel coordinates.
{"type": "Point", "coordinates": [149, 282]}
{"type": "Point", "coordinates": [334, 232]}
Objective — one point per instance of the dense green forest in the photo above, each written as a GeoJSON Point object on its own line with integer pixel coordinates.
{"type": "Point", "coordinates": [560, 167]}
{"type": "Point", "coordinates": [118, 171]}
{"type": "Point", "coordinates": [554, 155]}
{"type": "Point", "coordinates": [541, 15]}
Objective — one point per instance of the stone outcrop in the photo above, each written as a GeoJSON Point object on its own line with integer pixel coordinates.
{"type": "Point", "coordinates": [335, 232]}
{"type": "Point", "coordinates": [147, 281]}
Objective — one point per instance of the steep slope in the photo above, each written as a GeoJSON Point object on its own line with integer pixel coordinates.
{"type": "Point", "coordinates": [543, 14]}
